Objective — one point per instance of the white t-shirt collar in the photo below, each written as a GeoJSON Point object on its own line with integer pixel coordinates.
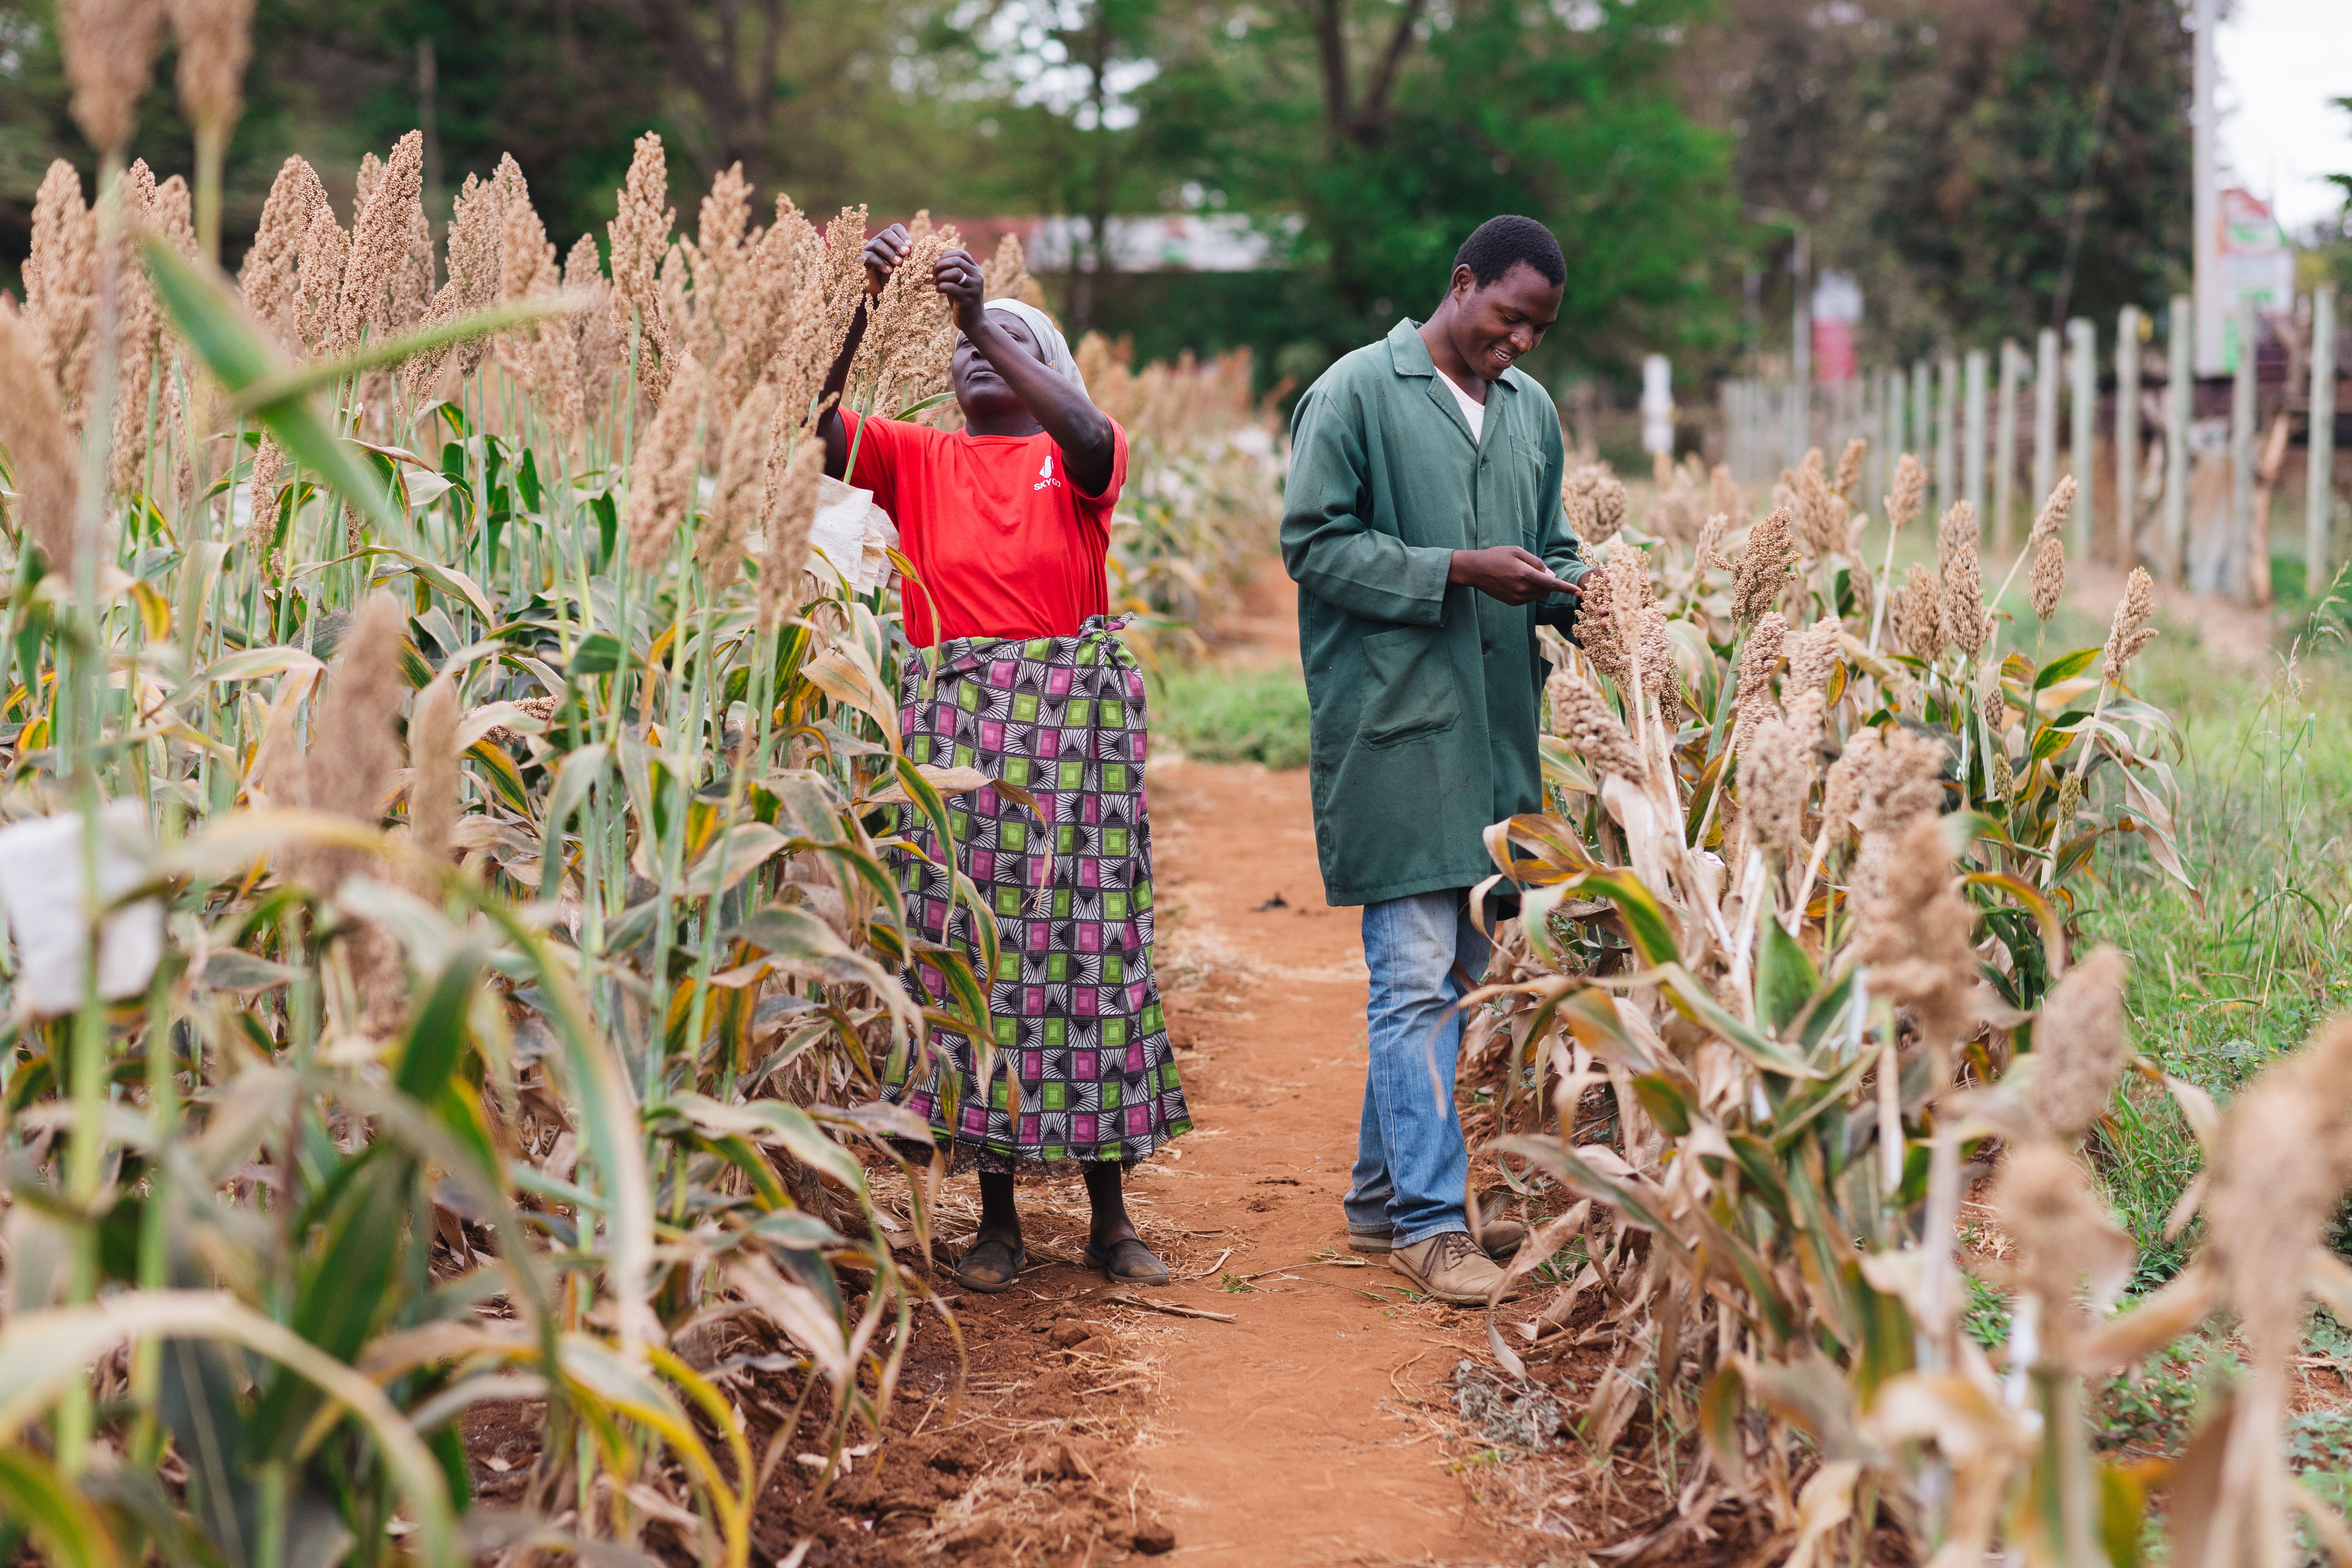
{"type": "Point", "coordinates": [1474, 411]}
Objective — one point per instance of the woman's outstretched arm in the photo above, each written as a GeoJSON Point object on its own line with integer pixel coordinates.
{"type": "Point", "coordinates": [882, 255]}
{"type": "Point", "coordinates": [1089, 446]}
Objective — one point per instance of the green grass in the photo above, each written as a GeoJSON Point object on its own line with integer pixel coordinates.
{"type": "Point", "coordinates": [2287, 585]}
{"type": "Point", "coordinates": [1233, 716]}
{"type": "Point", "coordinates": [2223, 982]}
{"type": "Point", "coordinates": [2221, 987]}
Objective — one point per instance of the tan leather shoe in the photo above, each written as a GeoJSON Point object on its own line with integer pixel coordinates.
{"type": "Point", "coordinates": [1501, 1237]}
{"type": "Point", "coordinates": [1449, 1268]}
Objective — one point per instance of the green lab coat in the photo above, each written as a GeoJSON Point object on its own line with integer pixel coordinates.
{"type": "Point", "coordinates": [1424, 697]}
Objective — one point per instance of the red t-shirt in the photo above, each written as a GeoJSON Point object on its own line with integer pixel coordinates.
{"type": "Point", "coordinates": [1006, 544]}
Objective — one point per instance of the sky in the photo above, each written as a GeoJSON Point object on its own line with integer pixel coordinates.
{"type": "Point", "coordinates": [2281, 61]}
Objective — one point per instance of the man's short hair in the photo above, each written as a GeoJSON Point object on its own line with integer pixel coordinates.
{"type": "Point", "coordinates": [1502, 243]}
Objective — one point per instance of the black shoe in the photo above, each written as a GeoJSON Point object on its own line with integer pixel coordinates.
{"type": "Point", "coordinates": [1128, 1262]}
{"type": "Point", "coordinates": [991, 1265]}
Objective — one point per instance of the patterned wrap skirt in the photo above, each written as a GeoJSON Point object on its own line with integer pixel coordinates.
{"type": "Point", "coordinates": [1084, 1070]}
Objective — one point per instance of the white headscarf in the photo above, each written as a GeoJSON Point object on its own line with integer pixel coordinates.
{"type": "Point", "coordinates": [1055, 347]}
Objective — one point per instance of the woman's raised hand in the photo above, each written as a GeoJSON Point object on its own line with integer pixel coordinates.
{"type": "Point", "coordinates": [957, 276]}
{"type": "Point", "coordinates": [882, 255]}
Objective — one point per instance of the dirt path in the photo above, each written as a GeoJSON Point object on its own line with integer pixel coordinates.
{"type": "Point", "coordinates": [2237, 636]}
{"type": "Point", "coordinates": [1302, 1432]}
{"type": "Point", "coordinates": [1298, 1433]}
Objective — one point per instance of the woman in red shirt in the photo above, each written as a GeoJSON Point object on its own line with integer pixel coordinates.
{"type": "Point", "coordinates": [1015, 671]}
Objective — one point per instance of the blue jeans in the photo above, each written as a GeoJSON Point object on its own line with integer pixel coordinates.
{"type": "Point", "coordinates": [1411, 1160]}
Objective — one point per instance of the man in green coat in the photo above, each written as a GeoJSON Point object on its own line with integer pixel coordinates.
{"type": "Point", "coordinates": [1422, 524]}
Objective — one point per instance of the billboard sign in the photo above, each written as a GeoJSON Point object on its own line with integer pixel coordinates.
{"type": "Point", "coordinates": [2256, 264]}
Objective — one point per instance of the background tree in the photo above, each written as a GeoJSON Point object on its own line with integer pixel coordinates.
{"type": "Point", "coordinates": [1054, 87]}
{"type": "Point", "coordinates": [1984, 170]}
{"type": "Point", "coordinates": [1391, 130]}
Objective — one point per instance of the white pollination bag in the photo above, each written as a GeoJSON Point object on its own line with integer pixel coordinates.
{"type": "Point", "coordinates": [851, 537]}
{"type": "Point", "coordinates": [42, 883]}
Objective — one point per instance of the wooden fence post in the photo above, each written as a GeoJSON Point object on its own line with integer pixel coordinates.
{"type": "Point", "coordinates": [1751, 412]}
{"type": "Point", "coordinates": [1923, 429]}
{"type": "Point", "coordinates": [1972, 435]}
{"type": "Point", "coordinates": [1800, 415]}
{"type": "Point", "coordinates": [1727, 405]}
{"type": "Point", "coordinates": [2319, 489]}
{"type": "Point", "coordinates": [2179, 389]}
{"type": "Point", "coordinates": [1743, 464]}
{"type": "Point", "coordinates": [2004, 445]}
{"type": "Point", "coordinates": [1947, 434]}
{"type": "Point", "coordinates": [1762, 440]}
{"type": "Point", "coordinates": [2127, 434]}
{"type": "Point", "coordinates": [2237, 573]}
{"type": "Point", "coordinates": [2083, 352]}
{"type": "Point", "coordinates": [1890, 409]}
{"type": "Point", "coordinates": [2045, 418]}
{"type": "Point", "coordinates": [1873, 420]}
{"type": "Point", "coordinates": [1735, 438]}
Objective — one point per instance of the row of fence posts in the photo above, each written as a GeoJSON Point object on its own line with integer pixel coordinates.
{"type": "Point", "coordinates": [1938, 411]}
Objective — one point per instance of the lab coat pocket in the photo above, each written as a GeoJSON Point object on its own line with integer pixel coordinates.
{"type": "Point", "coordinates": [1410, 691]}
